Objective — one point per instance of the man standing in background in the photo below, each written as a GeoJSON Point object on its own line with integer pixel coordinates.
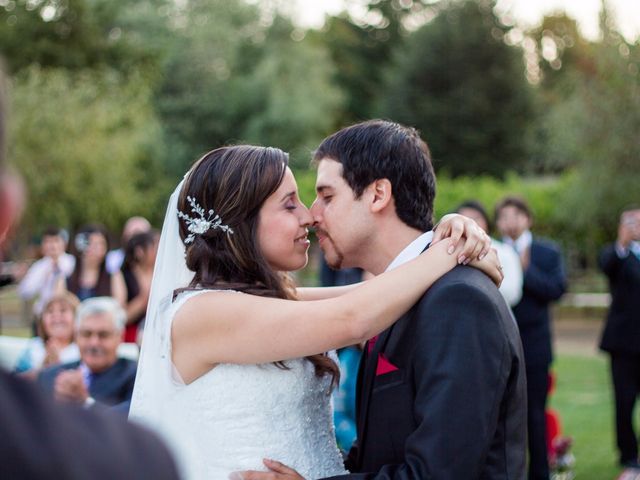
{"type": "Point", "coordinates": [44, 275]}
{"type": "Point", "coordinates": [620, 262]}
{"type": "Point", "coordinates": [511, 288]}
{"type": "Point", "coordinates": [544, 282]}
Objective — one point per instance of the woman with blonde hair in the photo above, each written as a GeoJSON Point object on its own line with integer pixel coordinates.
{"type": "Point", "coordinates": [55, 342]}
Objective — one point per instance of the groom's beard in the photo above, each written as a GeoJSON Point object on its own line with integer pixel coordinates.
{"type": "Point", "coordinates": [333, 256]}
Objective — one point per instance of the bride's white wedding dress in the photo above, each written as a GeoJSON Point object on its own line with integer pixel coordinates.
{"type": "Point", "coordinates": [235, 415]}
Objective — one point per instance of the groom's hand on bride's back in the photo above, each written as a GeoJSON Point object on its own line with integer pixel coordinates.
{"type": "Point", "coordinates": [278, 471]}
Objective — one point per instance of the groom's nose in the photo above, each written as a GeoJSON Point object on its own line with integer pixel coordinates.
{"type": "Point", "coordinates": [315, 211]}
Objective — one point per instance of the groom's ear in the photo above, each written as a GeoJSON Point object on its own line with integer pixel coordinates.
{"type": "Point", "coordinates": [381, 194]}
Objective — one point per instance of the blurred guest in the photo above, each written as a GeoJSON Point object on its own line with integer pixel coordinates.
{"type": "Point", "coordinates": [543, 282]}
{"type": "Point", "coordinates": [54, 267]}
{"type": "Point", "coordinates": [90, 277]}
{"type": "Point", "coordinates": [100, 377]}
{"type": "Point", "coordinates": [336, 278]}
{"type": "Point", "coordinates": [132, 226]}
{"type": "Point", "coordinates": [55, 342]}
{"type": "Point", "coordinates": [511, 287]}
{"type": "Point", "coordinates": [620, 262]}
{"type": "Point", "coordinates": [40, 440]}
{"type": "Point", "coordinates": [137, 270]}
{"type": "Point", "coordinates": [344, 397]}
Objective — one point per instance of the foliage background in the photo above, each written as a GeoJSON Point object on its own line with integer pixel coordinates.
{"type": "Point", "coordinates": [113, 100]}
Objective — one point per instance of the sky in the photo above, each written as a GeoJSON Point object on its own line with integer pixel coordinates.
{"type": "Point", "coordinates": [528, 13]}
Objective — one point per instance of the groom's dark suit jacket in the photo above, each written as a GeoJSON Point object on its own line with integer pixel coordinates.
{"type": "Point", "coordinates": [448, 400]}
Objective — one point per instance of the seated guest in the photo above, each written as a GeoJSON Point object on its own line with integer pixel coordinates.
{"type": "Point", "coordinates": [137, 270]}
{"type": "Point", "coordinates": [55, 342]}
{"type": "Point", "coordinates": [100, 377]}
{"type": "Point", "coordinates": [90, 277]}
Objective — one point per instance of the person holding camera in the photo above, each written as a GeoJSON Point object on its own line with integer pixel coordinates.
{"type": "Point", "coordinates": [620, 262]}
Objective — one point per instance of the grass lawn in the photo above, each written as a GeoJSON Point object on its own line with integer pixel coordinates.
{"type": "Point", "coordinates": [584, 401]}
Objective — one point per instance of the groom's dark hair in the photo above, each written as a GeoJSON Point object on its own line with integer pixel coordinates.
{"type": "Point", "coordinates": [376, 149]}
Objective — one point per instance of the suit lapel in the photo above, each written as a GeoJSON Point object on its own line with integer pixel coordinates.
{"type": "Point", "coordinates": [367, 374]}
{"type": "Point", "coordinates": [366, 379]}
{"type": "Point", "coordinates": [362, 368]}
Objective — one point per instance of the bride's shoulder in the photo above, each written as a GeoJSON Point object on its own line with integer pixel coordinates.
{"type": "Point", "coordinates": [196, 297]}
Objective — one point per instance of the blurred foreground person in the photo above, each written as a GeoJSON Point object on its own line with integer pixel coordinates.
{"type": "Point", "coordinates": [620, 262]}
{"type": "Point", "coordinates": [41, 440]}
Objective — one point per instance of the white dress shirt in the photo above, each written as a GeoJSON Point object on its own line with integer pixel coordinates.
{"type": "Point", "coordinates": [412, 250]}
{"type": "Point", "coordinates": [511, 287]}
{"type": "Point", "coordinates": [521, 243]}
{"type": "Point", "coordinates": [634, 247]}
{"type": "Point", "coordinates": [42, 277]}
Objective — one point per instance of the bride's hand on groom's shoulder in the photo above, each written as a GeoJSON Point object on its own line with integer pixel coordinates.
{"type": "Point", "coordinates": [490, 265]}
{"type": "Point", "coordinates": [278, 471]}
{"type": "Point", "coordinates": [462, 231]}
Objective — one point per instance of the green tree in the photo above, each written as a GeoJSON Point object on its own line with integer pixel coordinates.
{"type": "Point", "coordinates": [562, 50]}
{"type": "Point", "coordinates": [564, 58]}
{"type": "Point", "coordinates": [591, 129]}
{"type": "Point", "coordinates": [72, 34]}
{"type": "Point", "coordinates": [234, 77]}
{"type": "Point", "coordinates": [87, 144]}
{"type": "Point", "coordinates": [294, 103]}
{"type": "Point", "coordinates": [597, 126]}
{"type": "Point", "coordinates": [362, 48]}
{"type": "Point", "coordinates": [458, 82]}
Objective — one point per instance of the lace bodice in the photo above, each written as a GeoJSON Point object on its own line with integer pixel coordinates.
{"type": "Point", "coordinates": [235, 415]}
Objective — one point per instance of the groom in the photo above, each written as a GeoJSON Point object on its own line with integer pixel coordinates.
{"type": "Point", "coordinates": [441, 394]}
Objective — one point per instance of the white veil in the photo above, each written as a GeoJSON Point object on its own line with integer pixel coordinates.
{"type": "Point", "coordinates": [155, 370]}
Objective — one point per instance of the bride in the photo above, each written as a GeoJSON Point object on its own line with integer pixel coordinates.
{"type": "Point", "coordinates": [231, 369]}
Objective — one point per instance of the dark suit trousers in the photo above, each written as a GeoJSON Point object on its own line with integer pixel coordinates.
{"type": "Point", "coordinates": [625, 371]}
{"type": "Point", "coordinates": [537, 388]}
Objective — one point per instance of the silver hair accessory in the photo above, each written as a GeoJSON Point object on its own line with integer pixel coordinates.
{"type": "Point", "coordinates": [198, 226]}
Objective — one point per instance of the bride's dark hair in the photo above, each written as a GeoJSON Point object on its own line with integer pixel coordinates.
{"type": "Point", "coordinates": [234, 182]}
